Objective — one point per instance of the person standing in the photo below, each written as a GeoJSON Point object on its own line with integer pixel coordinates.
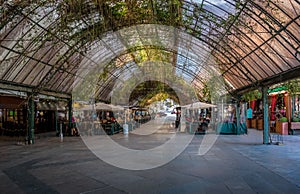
{"type": "Point", "coordinates": [249, 116]}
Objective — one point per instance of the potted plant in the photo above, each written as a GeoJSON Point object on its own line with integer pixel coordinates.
{"type": "Point", "coordinates": [282, 126]}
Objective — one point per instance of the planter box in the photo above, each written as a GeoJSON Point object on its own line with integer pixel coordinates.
{"type": "Point", "coordinates": [282, 128]}
{"type": "Point", "coordinates": [253, 123]}
{"type": "Point", "coordinates": [260, 124]}
{"type": "Point", "coordinates": [249, 123]}
{"type": "Point", "coordinates": [295, 125]}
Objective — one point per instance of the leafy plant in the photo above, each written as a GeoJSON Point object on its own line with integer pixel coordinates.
{"type": "Point", "coordinates": [283, 119]}
{"type": "Point", "coordinates": [206, 94]}
{"type": "Point", "coordinates": [252, 95]}
{"type": "Point", "coordinates": [292, 87]}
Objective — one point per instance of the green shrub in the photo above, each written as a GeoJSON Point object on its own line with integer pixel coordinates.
{"type": "Point", "coordinates": [296, 119]}
{"type": "Point", "coordinates": [283, 119]}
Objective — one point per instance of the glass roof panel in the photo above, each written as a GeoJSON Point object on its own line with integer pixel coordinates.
{"type": "Point", "coordinates": [43, 42]}
{"type": "Point", "coordinates": [260, 59]}
{"type": "Point", "coordinates": [35, 75]}
{"type": "Point", "coordinates": [219, 7]}
{"type": "Point", "coordinates": [248, 67]}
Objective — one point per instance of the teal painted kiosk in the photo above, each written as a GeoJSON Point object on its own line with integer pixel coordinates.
{"type": "Point", "coordinates": [232, 118]}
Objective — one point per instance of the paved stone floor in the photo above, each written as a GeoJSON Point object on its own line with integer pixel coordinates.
{"type": "Point", "coordinates": [234, 164]}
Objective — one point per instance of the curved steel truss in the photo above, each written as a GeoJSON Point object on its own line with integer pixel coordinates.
{"type": "Point", "coordinates": [53, 46]}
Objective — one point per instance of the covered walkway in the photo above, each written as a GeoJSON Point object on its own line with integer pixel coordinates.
{"type": "Point", "coordinates": [58, 55]}
{"type": "Point", "coordinates": [125, 52]}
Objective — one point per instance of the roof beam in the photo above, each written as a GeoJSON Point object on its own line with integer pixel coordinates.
{"type": "Point", "coordinates": [16, 87]}
{"type": "Point", "coordinates": [23, 88]}
{"type": "Point", "coordinates": [282, 77]}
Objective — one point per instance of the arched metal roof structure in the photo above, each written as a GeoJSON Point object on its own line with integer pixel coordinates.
{"type": "Point", "coordinates": [51, 46]}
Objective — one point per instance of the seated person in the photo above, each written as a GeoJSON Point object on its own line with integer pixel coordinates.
{"type": "Point", "coordinates": [74, 132]}
{"type": "Point", "coordinates": [203, 125]}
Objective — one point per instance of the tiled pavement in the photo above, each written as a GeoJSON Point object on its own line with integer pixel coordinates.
{"type": "Point", "coordinates": [234, 164]}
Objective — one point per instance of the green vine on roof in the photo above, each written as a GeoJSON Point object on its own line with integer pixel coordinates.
{"type": "Point", "coordinates": [206, 94]}
{"type": "Point", "coordinates": [272, 14]}
{"type": "Point", "coordinates": [119, 9]}
{"type": "Point", "coordinates": [252, 95]}
{"type": "Point", "coordinates": [158, 91]}
{"type": "Point", "coordinates": [293, 87]}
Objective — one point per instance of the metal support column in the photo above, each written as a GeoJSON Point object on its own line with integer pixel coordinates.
{"type": "Point", "coordinates": [293, 106]}
{"type": "Point", "coordinates": [266, 115]}
{"type": "Point", "coordinates": [70, 114]}
{"type": "Point", "coordinates": [238, 119]}
{"type": "Point", "coordinates": [31, 112]}
{"type": "Point", "coordinates": [56, 123]}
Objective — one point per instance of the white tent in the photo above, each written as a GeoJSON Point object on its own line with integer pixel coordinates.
{"type": "Point", "coordinates": [103, 106]}
{"type": "Point", "coordinates": [199, 105]}
{"type": "Point", "coordinates": [117, 107]}
{"type": "Point", "coordinates": [85, 107]}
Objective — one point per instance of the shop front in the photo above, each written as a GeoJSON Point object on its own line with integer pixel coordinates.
{"type": "Point", "coordinates": [13, 116]}
{"type": "Point", "coordinates": [232, 118]}
{"type": "Point", "coordinates": [49, 115]}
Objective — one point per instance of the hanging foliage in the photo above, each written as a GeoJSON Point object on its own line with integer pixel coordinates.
{"type": "Point", "coordinates": [206, 94]}
{"type": "Point", "coordinates": [152, 91]}
{"type": "Point", "coordinates": [293, 87]}
{"type": "Point", "coordinates": [252, 95]}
